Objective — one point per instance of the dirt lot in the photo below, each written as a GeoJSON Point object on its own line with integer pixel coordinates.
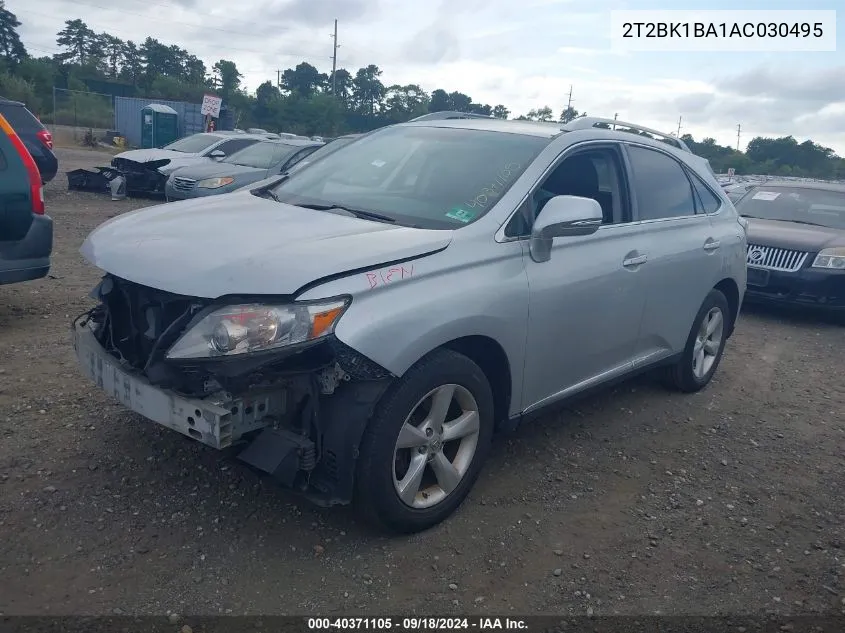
{"type": "Point", "coordinates": [634, 502]}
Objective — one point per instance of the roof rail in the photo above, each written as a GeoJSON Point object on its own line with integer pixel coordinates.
{"type": "Point", "coordinates": [584, 123]}
{"type": "Point", "coordinates": [449, 114]}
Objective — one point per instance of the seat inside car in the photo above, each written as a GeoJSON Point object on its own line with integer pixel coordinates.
{"type": "Point", "coordinates": [577, 176]}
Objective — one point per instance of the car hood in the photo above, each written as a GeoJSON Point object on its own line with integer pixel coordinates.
{"type": "Point", "coordinates": [154, 154]}
{"type": "Point", "coordinates": [801, 237]}
{"type": "Point", "coordinates": [241, 244]}
{"type": "Point", "coordinates": [214, 169]}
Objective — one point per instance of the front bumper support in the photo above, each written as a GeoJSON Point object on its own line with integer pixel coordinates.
{"type": "Point", "coordinates": [218, 420]}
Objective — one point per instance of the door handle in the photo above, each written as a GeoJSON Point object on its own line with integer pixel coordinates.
{"type": "Point", "coordinates": [712, 245]}
{"type": "Point", "coordinates": [634, 261]}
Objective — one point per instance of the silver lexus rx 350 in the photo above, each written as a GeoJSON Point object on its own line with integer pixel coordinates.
{"type": "Point", "coordinates": [362, 329]}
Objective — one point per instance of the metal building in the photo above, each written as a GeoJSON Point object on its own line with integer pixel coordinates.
{"type": "Point", "coordinates": [127, 117]}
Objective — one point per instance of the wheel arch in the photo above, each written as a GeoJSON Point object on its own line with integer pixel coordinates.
{"type": "Point", "coordinates": [729, 288]}
{"type": "Point", "coordinates": [490, 356]}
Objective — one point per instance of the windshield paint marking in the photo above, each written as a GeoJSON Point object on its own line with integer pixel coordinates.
{"type": "Point", "coordinates": [391, 275]}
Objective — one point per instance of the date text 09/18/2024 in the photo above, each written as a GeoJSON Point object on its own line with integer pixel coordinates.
{"type": "Point", "coordinates": [415, 624]}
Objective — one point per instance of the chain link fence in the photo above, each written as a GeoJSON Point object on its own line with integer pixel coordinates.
{"type": "Point", "coordinates": [79, 116]}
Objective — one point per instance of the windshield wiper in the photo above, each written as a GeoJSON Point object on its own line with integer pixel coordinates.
{"type": "Point", "coordinates": [358, 213]}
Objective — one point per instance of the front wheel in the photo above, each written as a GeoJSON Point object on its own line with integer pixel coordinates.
{"type": "Point", "coordinates": [704, 347]}
{"type": "Point", "coordinates": [426, 444]}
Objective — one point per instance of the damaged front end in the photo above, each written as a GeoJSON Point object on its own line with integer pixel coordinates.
{"type": "Point", "coordinates": [142, 178]}
{"type": "Point", "coordinates": [297, 411]}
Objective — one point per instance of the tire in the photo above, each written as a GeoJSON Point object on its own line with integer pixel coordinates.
{"type": "Point", "coordinates": [684, 376]}
{"type": "Point", "coordinates": [384, 466]}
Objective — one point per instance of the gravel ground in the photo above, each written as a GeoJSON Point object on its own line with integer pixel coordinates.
{"type": "Point", "coordinates": [636, 501]}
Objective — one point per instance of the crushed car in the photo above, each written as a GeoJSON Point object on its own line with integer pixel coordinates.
{"type": "Point", "coordinates": [362, 329]}
{"type": "Point", "coordinates": [146, 170]}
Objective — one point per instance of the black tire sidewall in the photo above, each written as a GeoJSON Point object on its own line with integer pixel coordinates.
{"type": "Point", "coordinates": [686, 376]}
{"type": "Point", "coordinates": [376, 495]}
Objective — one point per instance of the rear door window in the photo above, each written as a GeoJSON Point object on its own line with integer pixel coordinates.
{"type": "Point", "coordinates": [230, 147]}
{"type": "Point", "coordinates": [21, 119]}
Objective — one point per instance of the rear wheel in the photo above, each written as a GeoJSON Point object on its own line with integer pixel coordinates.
{"type": "Point", "coordinates": [426, 444]}
{"type": "Point", "coordinates": [704, 347]}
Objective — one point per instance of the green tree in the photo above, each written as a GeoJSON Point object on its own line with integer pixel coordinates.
{"type": "Point", "coordinates": [304, 80]}
{"type": "Point", "coordinates": [570, 114]}
{"type": "Point", "coordinates": [78, 40]}
{"type": "Point", "coordinates": [227, 78]}
{"type": "Point", "coordinates": [501, 112]}
{"type": "Point", "coordinates": [342, 85]}
{"type": "Point", "coordinates": [113, 47]}
{"type": "Point", "coordinates": [132, 66]}
{"type": "Point", "coordinates": [11, 47]}
{"type": "Point", "coordinates": [367, 90]}
{"type": "Point", "coordinates": [440, 101]}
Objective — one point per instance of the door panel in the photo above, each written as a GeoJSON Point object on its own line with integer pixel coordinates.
{"type": "Point", "coordinates": [585, 308]}
{"type": "Point", "coordinates": [680, 273]}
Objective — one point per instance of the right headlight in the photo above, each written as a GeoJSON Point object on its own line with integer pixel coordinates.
{"type": "Point", "coordinates": [830, 258]}
{"type": "Point", "coordinates": [215, 183]}
{"type": "Point", "coordinates": [241, 329]}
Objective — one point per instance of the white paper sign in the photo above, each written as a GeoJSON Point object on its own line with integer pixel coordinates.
{"type": "Point", "coordinates": [768, 196]}
{"type": "Point", "coordinates": [211, 106]}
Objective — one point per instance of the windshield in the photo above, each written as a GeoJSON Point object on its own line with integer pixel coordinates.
{"type": "Point", "coordinates": [261, 155]}
{"type": "Point", "coordinates": [325, 150]}
{"type": "Point", "coordinates": [810, 206]}
{"type": "Point", "coordinates": [193, 144]}
{"type": "Point", "coordinates": [423, 176]}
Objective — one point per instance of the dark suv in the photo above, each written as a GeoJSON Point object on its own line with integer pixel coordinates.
{"type": "Point", "coordinates": [34, 135]}
{"type": "Point", "coordinates": [26, 232]}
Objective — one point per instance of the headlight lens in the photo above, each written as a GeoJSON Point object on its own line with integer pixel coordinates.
{"type": "Point", "coordinates": [830, 258]}
{"type": "Point", "coordinates": [215, 183]}
{"type": "Point", "coordinates": [256, 327]}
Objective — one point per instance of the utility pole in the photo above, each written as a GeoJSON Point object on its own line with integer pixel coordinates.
{"type": "Point", "coordinates": [738, 131]}
{"type": "Point", "coordinates": [679, 127]}
{"type": "Point", "coordinates": [569, 103]}
{"type": "Point", "coordinates": [615, 116]}
{"type": "Point", "coordinates": [278, 78]}
{"type": "Point", "coordinates": [335, 46]}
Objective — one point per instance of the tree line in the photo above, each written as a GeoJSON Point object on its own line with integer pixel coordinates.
{"type": "Point", "coordinates": [304, 101]}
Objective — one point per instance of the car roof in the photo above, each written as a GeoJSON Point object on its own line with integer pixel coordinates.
{"type": "Point", "coordinates": [295, 142]}
{"type": "Point", "coordinates": [527, 128]}
{"type": "Point", "coordinates": [5, 101]}
{"type": "Point", "coordinates": [836, 187]}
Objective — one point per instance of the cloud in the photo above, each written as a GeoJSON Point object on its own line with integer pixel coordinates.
{"type": "Point", "coordinates": [789, 84]}
{"type": "Point", "coordinates": [318, 13]}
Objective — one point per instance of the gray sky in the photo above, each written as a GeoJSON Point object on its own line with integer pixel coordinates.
{"type": "Point", "coordinates": [523, 55]}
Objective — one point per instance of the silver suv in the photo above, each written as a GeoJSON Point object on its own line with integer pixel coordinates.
{"type": "Point", "coordinates": [361, 329]}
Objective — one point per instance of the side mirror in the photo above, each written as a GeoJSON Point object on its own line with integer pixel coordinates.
{"type": "Point", "coordinates": [563, 216]}
{"type": "Point", "coordinates": [218, 154]}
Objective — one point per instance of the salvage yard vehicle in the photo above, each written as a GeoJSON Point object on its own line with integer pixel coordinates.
{"type": "Point", "coordinates": [361, 329]}
{"type": "Point", "coordinates": [146, 170]}
{"type": "Point", "coordinates": [37, 138]}
{"type": "Point", "coordinates": [26, 231]}
{"type": "Point", "coordinates": [796, 243]}
{"type": "Point", "coordinates": [249, 165]}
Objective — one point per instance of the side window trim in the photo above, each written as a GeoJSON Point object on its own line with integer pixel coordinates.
{"type": "Point", "coordinates": [569, 152]}
{"type": "Point", "coordinates": [695, 179]}
{"type": "Point", "coordinates": [635, 203]}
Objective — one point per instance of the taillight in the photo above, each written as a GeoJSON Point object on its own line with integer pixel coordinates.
{"type": "Point", "coordinates": [45, 137]}
{"type": "Point", "coordinates": [36, 190]}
